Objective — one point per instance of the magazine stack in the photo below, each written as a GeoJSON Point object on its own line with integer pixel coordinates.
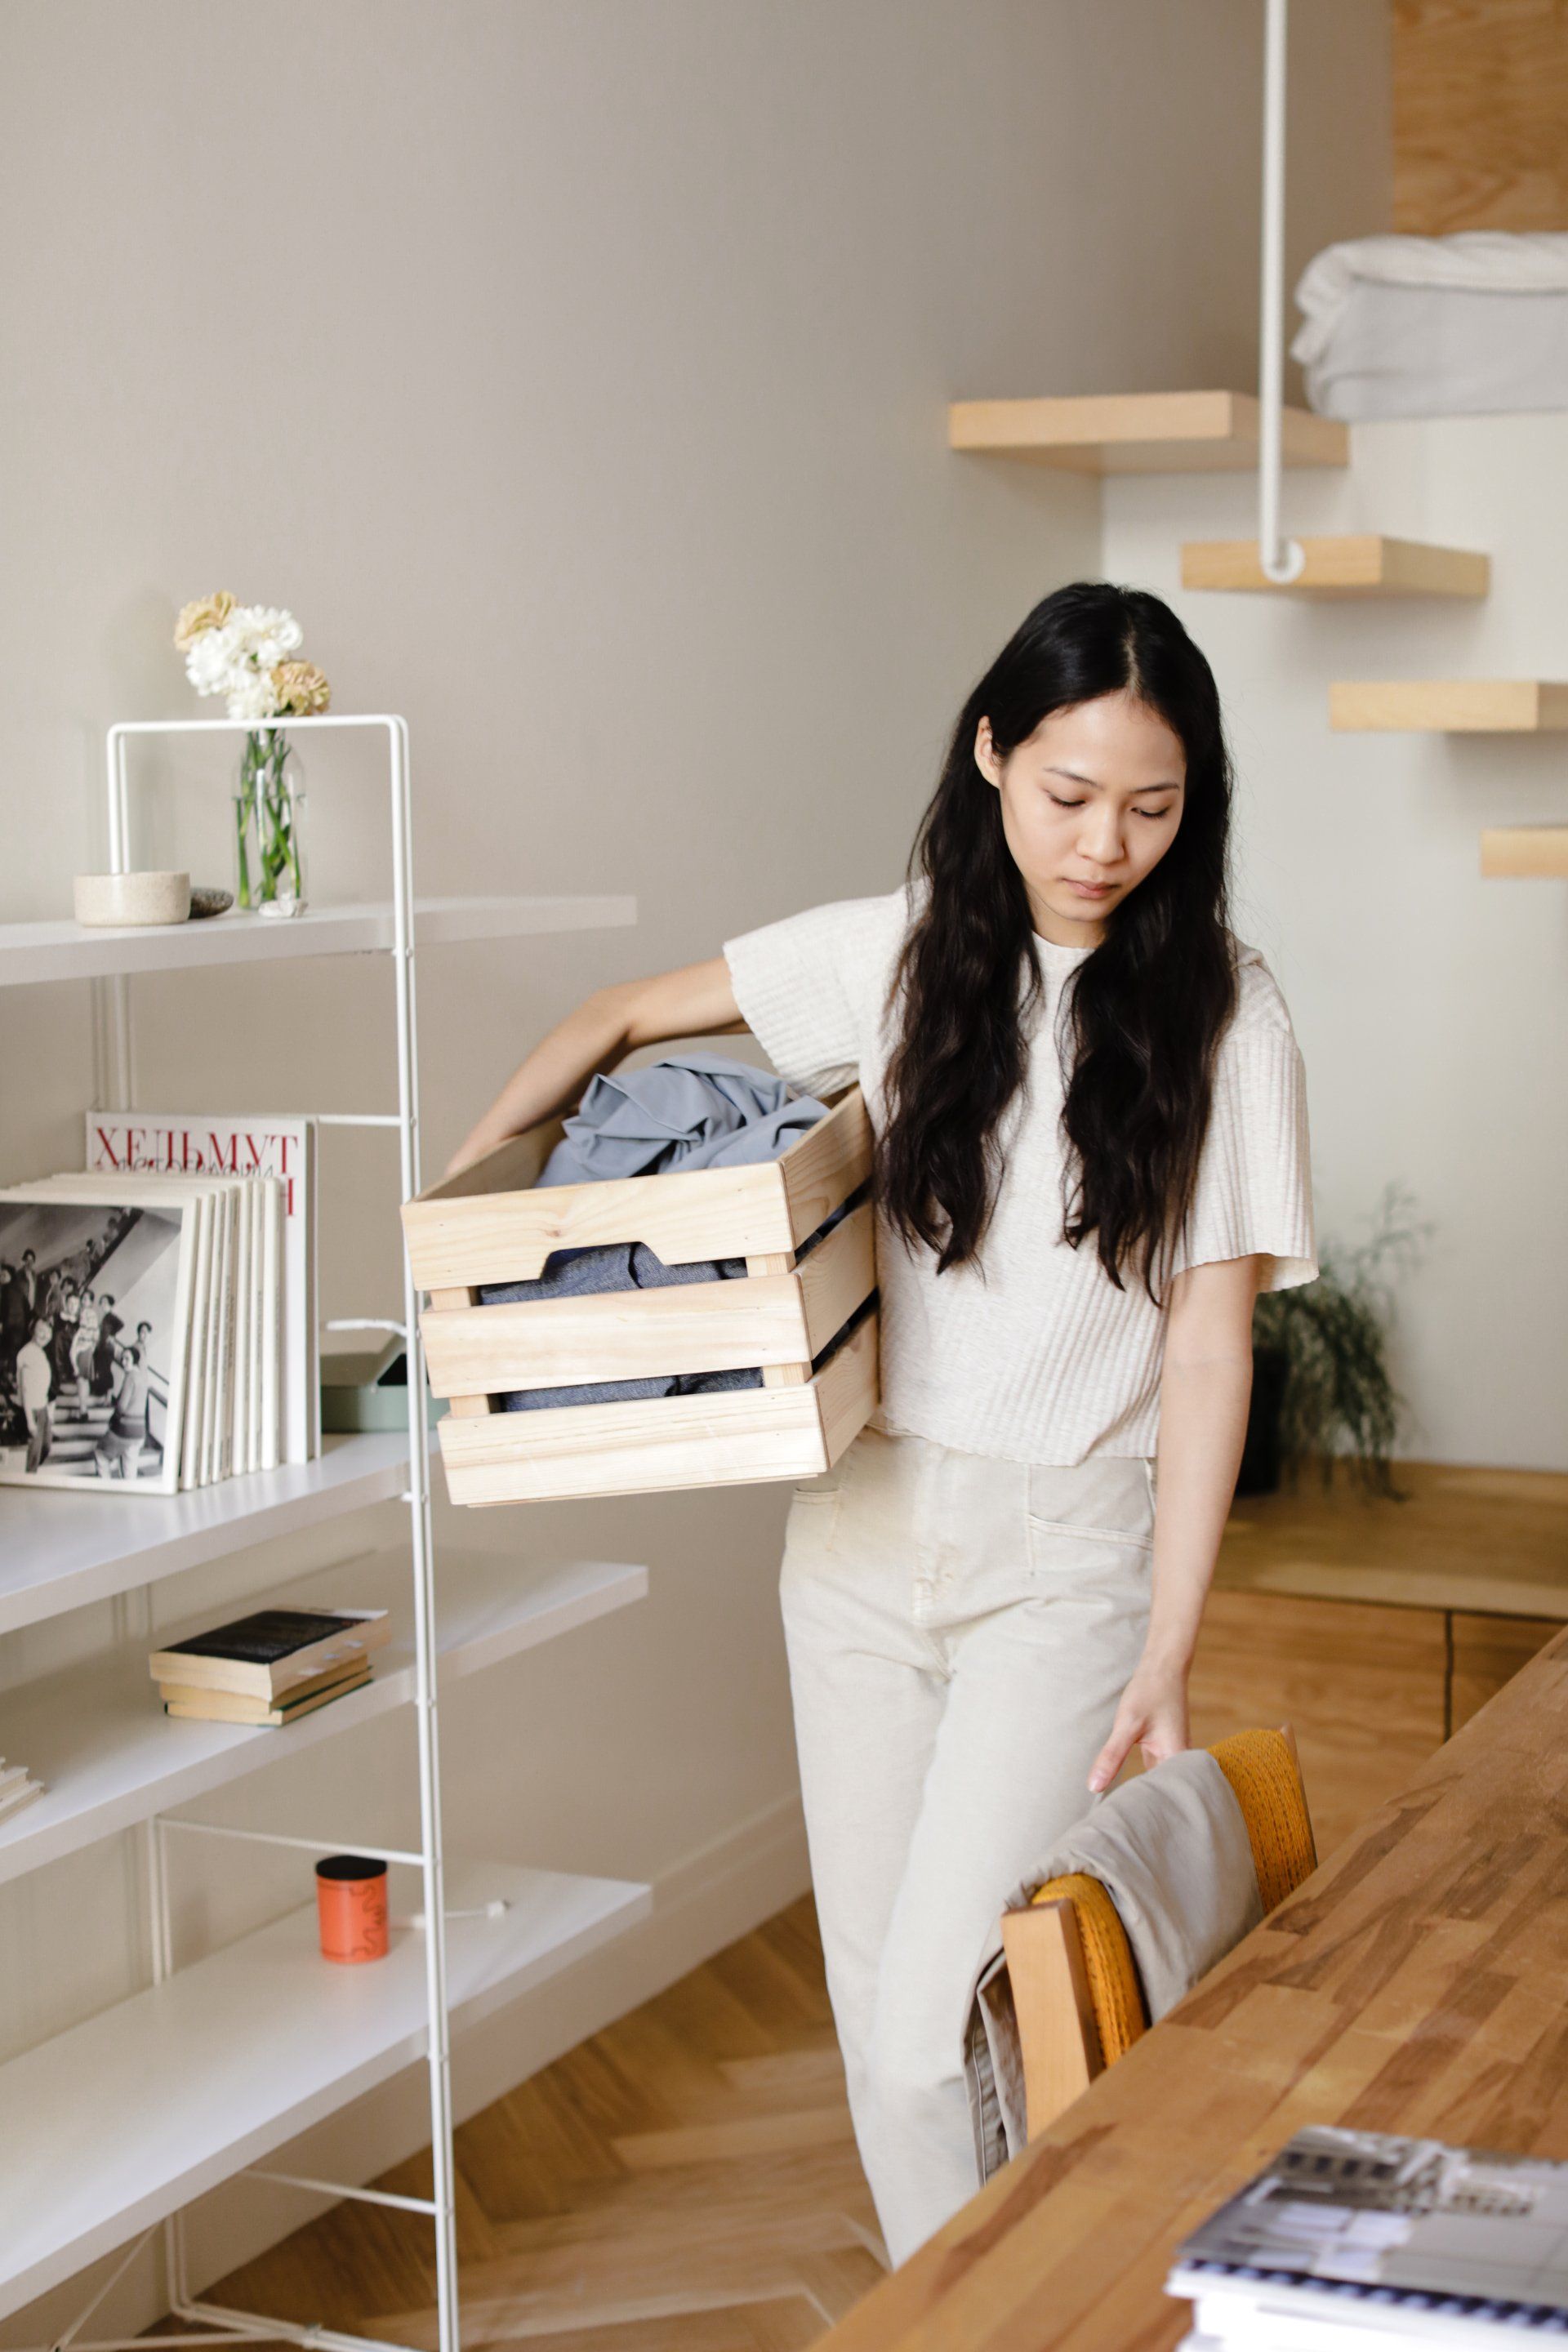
{"type": "Point", "coordinates": [157, 1309]}
{"type": "Point", "coordinates": [1360, 2242]}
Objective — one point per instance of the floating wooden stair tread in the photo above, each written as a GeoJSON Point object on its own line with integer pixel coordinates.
{"type": "Point", "coordinates": [1525, 852]}
{"type": "Point", "coordinates": [1142, 432]}
{"type": "Point", "coordinates": [1365, 565]}
{"type": "Point", "coordinates": [1458, 706]}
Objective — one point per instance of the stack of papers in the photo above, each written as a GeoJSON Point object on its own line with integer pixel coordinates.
{"type": "Point", "coordinates": [1363, 2242]}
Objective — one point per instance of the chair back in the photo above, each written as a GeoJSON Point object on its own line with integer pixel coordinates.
{"type": "Point", "coordinates": [1075, 1986]}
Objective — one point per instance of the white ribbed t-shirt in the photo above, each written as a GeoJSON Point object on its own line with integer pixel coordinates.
{"type": "Point", "coordinates": [1033, 1354]}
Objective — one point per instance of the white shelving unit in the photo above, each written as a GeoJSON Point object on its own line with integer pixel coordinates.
{"type": "Point", "coordinates": [215, 2065]}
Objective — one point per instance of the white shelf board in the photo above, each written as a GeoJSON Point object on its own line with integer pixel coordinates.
{"type": "Point", "coordinates": [150, 2102]}
{"type": "Point", "coordinates": [59, 1549]}
{"type": "Point", "coordinates": [64, 951]}
{"type": "Point", "coordinates": [96, 1734]}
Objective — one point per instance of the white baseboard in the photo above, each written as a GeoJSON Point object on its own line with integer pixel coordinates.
{"type": "Point", "coordinates": [706, 1900]}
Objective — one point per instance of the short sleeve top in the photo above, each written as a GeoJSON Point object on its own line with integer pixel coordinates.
{"type": "Point", "coordinates": [1031, 1353]}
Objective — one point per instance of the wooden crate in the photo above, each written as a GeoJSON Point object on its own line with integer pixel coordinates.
{"type": "Point", "coordinates": [488, 1225]}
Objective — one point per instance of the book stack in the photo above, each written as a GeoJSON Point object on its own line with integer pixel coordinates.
{"type": "Point", "coordinates": [157, 1311]}
{"type": "Point", "coordinates": [1363, 2242]}
{"type": "Point", "coordinates": [16, 1789]}
{"type": "Point", "coordinates": [269, 1668]}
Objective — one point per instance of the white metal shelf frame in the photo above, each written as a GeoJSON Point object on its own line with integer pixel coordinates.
{"type": "Point", "coordinates": [417, 1496]}
{"type": "Point", "coordinates": [116, 1063]}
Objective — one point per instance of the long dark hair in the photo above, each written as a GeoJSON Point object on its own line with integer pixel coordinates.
{"type": "Point", "coordinates": [1147, 1007]}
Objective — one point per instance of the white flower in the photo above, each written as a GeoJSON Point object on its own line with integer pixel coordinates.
{"type": "Point", "coordinates": [212, 658]}
{"type": "Point", "coordinates": [252, 696]}
{"type": "Point", "coordinates": [267, 634]}
{"type": "Point", "coordinates": [238, 658]}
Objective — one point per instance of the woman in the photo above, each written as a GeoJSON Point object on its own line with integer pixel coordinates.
{"type": "Point", "coordinates": [1091, 1150]}
{"type": "Point", "coordinates": [109, 1328]}
{"type": "Point", "coordinates": [68, 1310]}
{"type": "Point", "coordinates": [84, 1347]}
{"type": "Point", "coordinates": [129, 1430]}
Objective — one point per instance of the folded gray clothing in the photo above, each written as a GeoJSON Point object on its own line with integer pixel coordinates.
{"type": "Point", "coordinates": [689, 1111]}
{"type": "Point", "coordinates": [692, 1110]}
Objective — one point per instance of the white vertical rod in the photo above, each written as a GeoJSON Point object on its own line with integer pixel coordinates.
{"type": "Point", "coordinates": [122, 803]}
{"type": "Point", "coordinates": [113, 752]}
{"type": "Point", "coordinates": [117, 1042]}
{"type": "Point", "coordinates": [439, 2055]}
{"type": "Point", "coordinates": [415, 1176]}
{"type": "Point", "coordinates": [123, 1079]}
{"type": "Point", "coordinates": [1281, 559]}
{"type": "Point", "coordinates": [161, 1940]}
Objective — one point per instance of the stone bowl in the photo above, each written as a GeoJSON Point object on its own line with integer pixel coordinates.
{"type": "Point", "coordinates": [113, 899]}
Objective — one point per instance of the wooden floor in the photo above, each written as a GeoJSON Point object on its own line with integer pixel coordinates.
{"type": "Point", "coordinates": [685, 2181]}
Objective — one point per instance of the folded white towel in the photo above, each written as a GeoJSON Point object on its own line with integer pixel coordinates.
{"type": "Point", "coordinates": [1480, 261]}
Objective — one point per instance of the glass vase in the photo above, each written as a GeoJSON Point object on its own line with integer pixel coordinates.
{"type": "Point", "coordinates": [268, 826]}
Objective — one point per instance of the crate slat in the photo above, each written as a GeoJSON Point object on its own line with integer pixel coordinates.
{"type": "Point", "coordinates": [836, 1276]}
{"type": "Point", "coordinates": [724, 1439]}
{"type": "Point", "coordinates": [468, 1405]}
{"type": "Point", "coordinates": [484, 1232]}
{"type": "Point", "coordinates": [508, 1236]}
{"type": "Point", "coordinates": [622, 1334]}
{"type": "Point", "coordinates": [831, 1160]}
{"type": "Point", "coordinates": [794, 1373]}
{"type": "Point", "coordinates": [703, 1326]}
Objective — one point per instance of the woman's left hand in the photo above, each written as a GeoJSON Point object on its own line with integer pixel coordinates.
{"type": "Point", "coordinates": [1152, 1715]}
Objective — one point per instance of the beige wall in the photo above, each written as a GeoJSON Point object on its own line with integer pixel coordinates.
{"type": "Point", "coordinates": [576, 372]}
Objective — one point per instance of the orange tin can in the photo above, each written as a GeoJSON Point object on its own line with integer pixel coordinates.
{"type": "Point", "coordinates": [351, 1903]}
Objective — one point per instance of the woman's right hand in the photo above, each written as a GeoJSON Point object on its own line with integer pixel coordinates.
{"type": "Point", "coordinates": [695, 1000]}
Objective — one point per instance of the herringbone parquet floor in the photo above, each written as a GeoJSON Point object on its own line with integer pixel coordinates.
{"type": "Point", "coordinates": [685, 2181]}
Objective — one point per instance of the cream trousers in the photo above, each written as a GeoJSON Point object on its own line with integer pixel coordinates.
{"type": "Point", "coordinates": [960, 1629]}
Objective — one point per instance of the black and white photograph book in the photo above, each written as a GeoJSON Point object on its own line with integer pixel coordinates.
{"type": "Point", "coordinates": [231, 1415]}
{"type": "Point", "coordinates": [95, 1310]}
{"type": "Point", "coordinates": [188, 1145]}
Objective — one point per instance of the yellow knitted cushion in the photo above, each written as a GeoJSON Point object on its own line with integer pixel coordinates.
{"type": "Point", "coordinates": [1262, 1772]}
{"type": "Point", "coordinates": [1107, 1959]}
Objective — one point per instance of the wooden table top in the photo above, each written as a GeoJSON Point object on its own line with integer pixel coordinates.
{"type": "Point", "coordinates": [1418, 1983]}
{"type": "Point", "coordinates": [1467, 1537]}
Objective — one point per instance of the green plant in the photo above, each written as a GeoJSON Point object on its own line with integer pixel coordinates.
{"type": "Point", "coordinates": [1340, 1401]}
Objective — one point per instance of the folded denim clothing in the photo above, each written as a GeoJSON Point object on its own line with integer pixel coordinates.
{"type": "Point", "coordinates": [692, 1110]}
